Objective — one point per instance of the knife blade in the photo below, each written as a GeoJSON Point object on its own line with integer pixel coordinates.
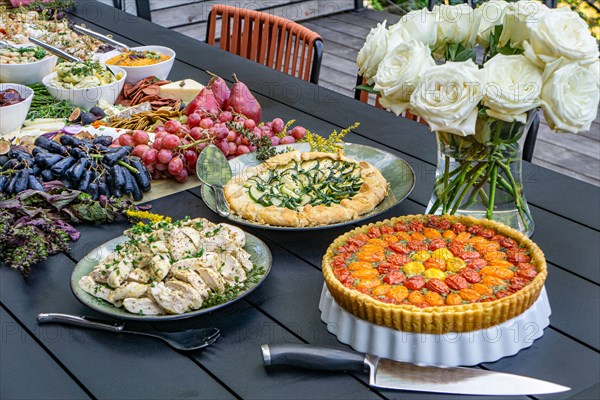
{"type": "Point", "coordinates": [390, 374]}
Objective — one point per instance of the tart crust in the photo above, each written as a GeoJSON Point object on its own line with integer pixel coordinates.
{"type": "Point", "coordinates": [372, 192]}
{"type": "Point", "coordinates": [438, 319]}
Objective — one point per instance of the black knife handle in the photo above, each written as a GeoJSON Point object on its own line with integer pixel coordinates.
{"type": "Point", "coordinates": [313, 357]}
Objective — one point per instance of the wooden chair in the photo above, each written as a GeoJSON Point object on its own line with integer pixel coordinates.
{"type": "Point", "coordinates": [269, 40]}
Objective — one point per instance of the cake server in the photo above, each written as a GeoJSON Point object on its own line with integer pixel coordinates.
{"type": "Point", "coordinates": [389, 374]}
{"type": "Point", "coordinates": [213, 170]}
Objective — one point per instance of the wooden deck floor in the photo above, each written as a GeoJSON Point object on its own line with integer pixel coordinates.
{"type": "Point", "coordinates": [575, 155]}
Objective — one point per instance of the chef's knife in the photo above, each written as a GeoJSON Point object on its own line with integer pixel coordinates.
{"type": "Point", "coordinates": [389, 374]}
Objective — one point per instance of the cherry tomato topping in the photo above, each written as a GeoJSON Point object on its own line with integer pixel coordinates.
{"type": "Point", "coordinates": [434, 299]}
{"type": "Point", "coordinates": [469, 255]}
{"type": "Point", "coordinates": [387, 230]}
{"type": "Point", "coordinates": [482, 289]}
{"type": "Point", "coordinates": [399, 248]}
{"type": "Point", "coordinates": [400, 227]}
{"type": "Point", "coordinates": [398, 259]}
{"type": "Point", "coordinates": [416, 245]}
{"type": "Point", "coordinates": [529, 273]}
{"type": "Point", "coordinates": [435, 263]}
{"type": "Point", "coordinates": [357, 241]}
{"type": "Point", "coordinates": [500, 272]}
{"type": "Point", "coordinates": [416, 298]}
{"type": "Point", "coordinates": [431, 233]}
{"type": "Point", "coordinates": [470, 275]}
{"type": "Point", "coordinates": [456, 248]}
{"type": "Point", "coordinates": [476, 263]}
{"type": "Point", "coordinates": [502, 293]}
{"type": "Point", "coordinates": [517, 256]}
{"type": "Point", "coordinates": [387, 267]}
{"type": "Point", "coordinates": [463, 237]}
{"type": "Point", "coordinates": [365, 274]}
{"type": "Point", "coordinates": [469, 294]}
{"type": "Point", "coordinates": [338, 262]}
{"type": "Point", "coordinates": [416, 226]}
{"type": "Point", "coordinates": [456, 282]}
{"type": "Point", "coordinates": [487, 233]}
{"type": "Point", "coordinates": [374, 232]}
{"type": "Point", "coordinates": [353, 266]}
{"type": "Point", "coordinates": [398, 293]}
{"type": "Point", "coordinates": [436, 244]}
{"type": "Point", "coordinates": [394, 278]}
{"type": "Point", "coordinates": [437, 286]}
{"type": "Point", "coordinates": [525, 266]}
{"type": "Point", "coordinates": [381, 290]}
{"type": "Point", "coordinates": [475, 230]}
{"type": "Point", "coordinates": [508, 242]}
{"type": "Point", "coordinates": [458, 228]}
{"type": "Point", "coordinates": [347, 249]}
{"type": "Point", "coordinates": [415, 283]}
{"type": "Point", "coordinates": [518, 283]}
{"type": "Point", "coordinates": [453, 299]}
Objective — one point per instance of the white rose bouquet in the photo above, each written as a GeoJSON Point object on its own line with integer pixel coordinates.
{"type": "Point", "coordinates": [481, 102]}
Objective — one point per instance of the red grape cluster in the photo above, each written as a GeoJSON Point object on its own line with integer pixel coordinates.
{"type": "Point", "coordinates": [235, 134]}
{"type": "Point", "coordinates": [176, 145]}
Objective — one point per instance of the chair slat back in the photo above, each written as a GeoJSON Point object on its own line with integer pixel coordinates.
{"type": "Point", "coordinates": [363, 96]}
{"type": "Point", "coordinates": [266, 39]}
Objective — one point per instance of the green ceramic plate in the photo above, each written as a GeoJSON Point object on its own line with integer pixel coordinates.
{"type": "Point", "coordinates": [398, 173]}
{"type": "Point", "coordinates": [259, 254]}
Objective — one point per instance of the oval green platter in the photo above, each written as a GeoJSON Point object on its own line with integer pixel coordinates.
{"type": "Point", "coordinates": [395, 170]}
{"type": "Point", "coordinates": [260, 255]}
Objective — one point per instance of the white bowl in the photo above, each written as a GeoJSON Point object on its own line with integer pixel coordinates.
{"type": "Point", "coordinates": [27, 73]}
{"type": "Point", "coordinates": [134, 74]}
{"type": "Point", "coordinates": [87, 97]}
{"type": "Point", "coordinates": [12, 117]}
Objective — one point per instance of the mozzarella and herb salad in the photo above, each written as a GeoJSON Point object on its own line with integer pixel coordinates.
{"type": "Point", "coordinates": [81, 75]}
{"type": "Point", "coordinates": [174, 268]}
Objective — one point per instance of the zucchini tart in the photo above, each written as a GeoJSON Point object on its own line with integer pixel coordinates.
{"type": "Point", "coordinates": [306, 189]}
{"type": "Point", "coordinates": [432, 274]}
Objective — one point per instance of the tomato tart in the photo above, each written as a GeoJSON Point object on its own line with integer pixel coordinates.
{"type": "Point", "coordinates": [306, 189]}
{"type": "Point", "coordinates": [435, 274]}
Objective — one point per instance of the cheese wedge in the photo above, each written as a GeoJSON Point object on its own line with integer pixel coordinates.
{"type": "Point", "coordinates": [184, 90]}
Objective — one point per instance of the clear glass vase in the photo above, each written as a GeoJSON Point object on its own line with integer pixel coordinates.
{"type": "Point", "coordinates": [480, 175]}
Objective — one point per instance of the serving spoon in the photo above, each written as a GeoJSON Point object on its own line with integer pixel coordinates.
{"type": "Point", "coordinates": [190, 339]}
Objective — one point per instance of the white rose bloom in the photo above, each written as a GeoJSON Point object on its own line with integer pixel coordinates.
{"type": "Point", "coordinates": [560, 33]}
{"type": "Point", "coordinates": [420, 25]}
{"type": "Point", "coordinates": [372, 52]}
{"type": "Point", "coordinates": [570, 95]}
{"type": "Point", "coordinates": [517, 16]}
{"type": "Point", "coordinates": [456, 24]}
{"type": "Point", "coordinates": [447, 97]}
{"type": "Point", "coordinates": [397, 34]}
{"type": "Point", "coordinates": [512, 87]}
{"type": "Point", "coordinates": [399, 73]}
{"type": "Point", "coordinates": [489, 14]}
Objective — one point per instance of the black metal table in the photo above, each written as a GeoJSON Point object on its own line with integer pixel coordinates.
{"type": "Point", "coordinates": [52, 361]}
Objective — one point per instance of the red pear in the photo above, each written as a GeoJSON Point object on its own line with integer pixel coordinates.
{"type": "Point", "coordinates": [243, 102]}
{"type": "Point", "coordinates": [205, 101]}
{"type": "Point", "coordinates": [220, 90]}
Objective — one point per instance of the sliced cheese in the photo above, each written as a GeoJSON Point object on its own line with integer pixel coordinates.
{"type": "Point", "coordinates": [184, 90]}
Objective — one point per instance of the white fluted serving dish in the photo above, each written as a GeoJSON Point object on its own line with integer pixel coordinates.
{"type": "Point", "coordinates": [450, 349]}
